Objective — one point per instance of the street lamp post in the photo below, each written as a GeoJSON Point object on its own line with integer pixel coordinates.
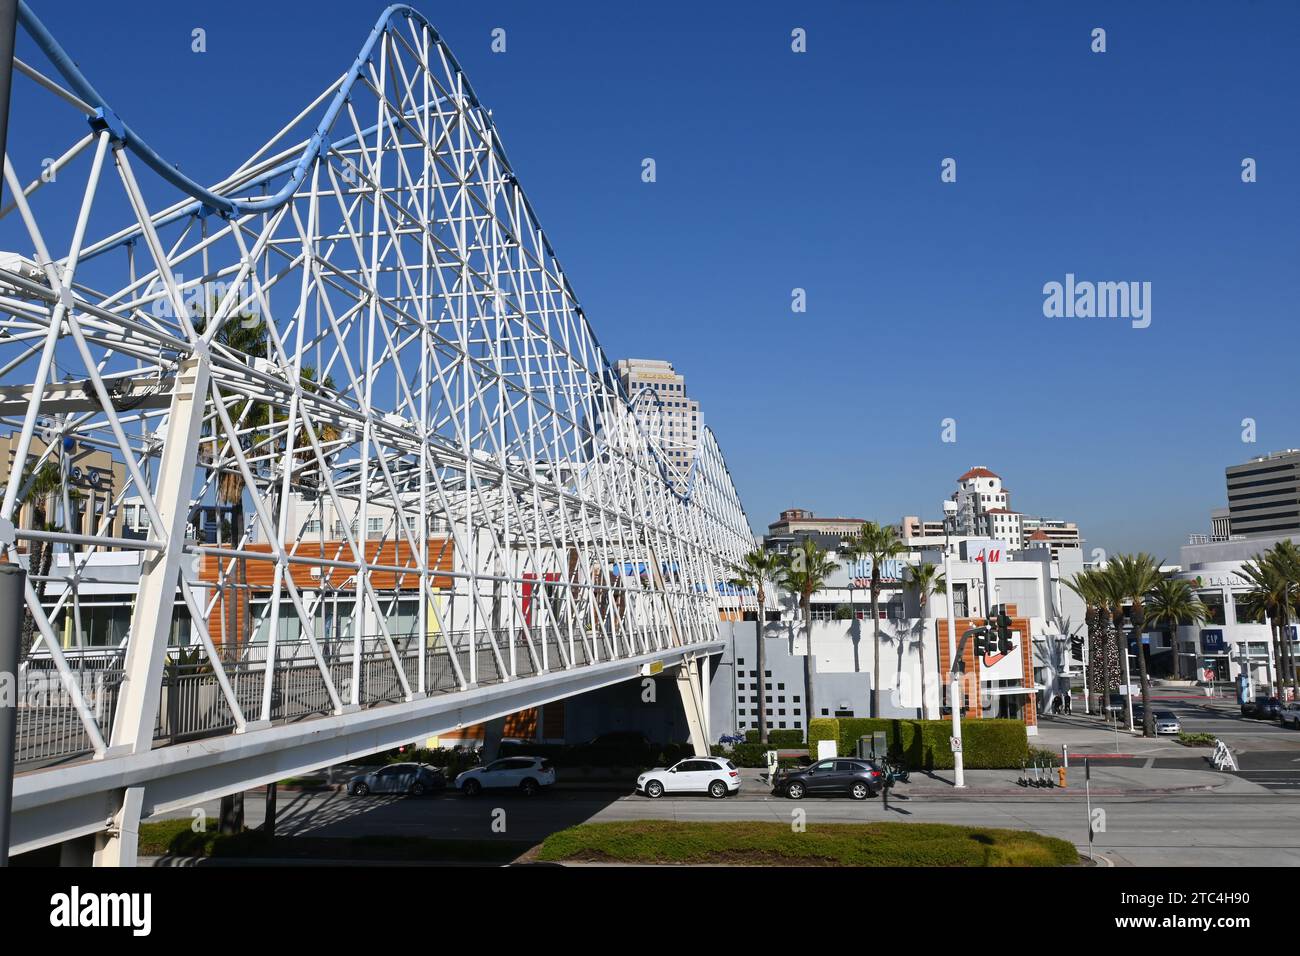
{"type": "Point", "coordinates": [954, 687]}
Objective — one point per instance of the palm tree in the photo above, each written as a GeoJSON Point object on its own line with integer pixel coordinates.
{"type": "Point", "coordinates": [757, 569]}
{"type": "Point", "coordinates": [1112, 612]}
{"type": "Point", "coordinates": [851, 551]}
{"type": "Point", "coordinates": [1172, 602]}
{"type": "Point", "coordinates": [804, 572]}
{"type": "Point", "coordinates": [1285, 557]}
{"type": "Point", "coordinates": [36, 490]}
{"type": "Point", "coordinates": [1273, 592]}
{"type": "Point", "coordinates": [1136, 575]}
{"type": "Point", "coordinates": [927, 580]}
{"type": "Point", "coordinates": [879, 543]}
{"type": "Point", "coordinates": [1087, 586]}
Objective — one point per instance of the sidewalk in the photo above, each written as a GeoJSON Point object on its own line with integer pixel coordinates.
{"type": "Point", "coordinates": [1106, 781]}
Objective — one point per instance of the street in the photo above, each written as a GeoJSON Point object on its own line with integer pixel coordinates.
{"type": "Point", "coordinates": [1209, 818]}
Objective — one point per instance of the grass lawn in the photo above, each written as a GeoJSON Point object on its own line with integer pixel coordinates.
{"type": "Point", "coordinates": [175, 838]}
{"type": "Point", "coordinates": [829, 844]}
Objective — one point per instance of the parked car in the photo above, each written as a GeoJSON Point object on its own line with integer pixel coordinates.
{"type": "Point", "coordinates": [844, 775]}
{"type": "Point", "coordinates": [1167, 722]}
{"type": "Point", "coordinates": [716, 776]}
{"type": "Point", "coordinates": [1262, 708]}
{"type": "Point", "coordinates": [417, 779]}
{"type": "Point", "coordinates": [528, 775]}
{"type": "Point", "coordinates": [1289, 716]}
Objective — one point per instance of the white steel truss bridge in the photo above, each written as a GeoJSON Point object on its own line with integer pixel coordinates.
{"type": "Point", "coordinates": [316, 460]}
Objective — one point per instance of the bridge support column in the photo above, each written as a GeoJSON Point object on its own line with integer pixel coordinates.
{"type": "Point", "coordinates": [493, 731]}
{"type": "Point", "coordinates": [688, 686]}
{"type": "Point", "coordinates": [119, 846]}
{"type": "Point", "coordinates": [146, 651]}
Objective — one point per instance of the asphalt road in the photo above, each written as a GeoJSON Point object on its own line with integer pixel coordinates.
{"type": "Point", "coordinates": [1253, 820]}
{"type": "Point", "coordinates": [1248, 825]}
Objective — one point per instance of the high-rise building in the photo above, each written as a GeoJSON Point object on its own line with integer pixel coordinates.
{"type": "Point", "coordinates": [659, 396]}
{"type": "Point", "coordinates": [1264, 494]}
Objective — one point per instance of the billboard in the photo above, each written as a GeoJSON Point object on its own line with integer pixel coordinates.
{"type": "Point", "coordinates": [892, 571]}
{"type": "Point", "coordinates": [984, 549]}
{"type": "Point", "coordinates": [1010, 666]}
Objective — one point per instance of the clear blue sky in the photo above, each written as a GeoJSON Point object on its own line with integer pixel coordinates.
{"type": "Point", "coordinates": [821, 170]}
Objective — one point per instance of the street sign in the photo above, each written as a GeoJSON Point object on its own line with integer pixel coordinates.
{"type": "Point", "coordinates": [955, 743]}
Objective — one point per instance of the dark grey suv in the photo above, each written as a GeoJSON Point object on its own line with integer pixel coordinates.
{"type": "Point", "coordinates": [830, 778]}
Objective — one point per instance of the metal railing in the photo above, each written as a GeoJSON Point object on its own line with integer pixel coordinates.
{"type": "Point", "coordinates": [192, 704]}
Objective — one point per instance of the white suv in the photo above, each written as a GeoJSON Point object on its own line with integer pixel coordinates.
{"type": "Point", "coordinates": [716, 776]}
{"type": "Point", "coordinates": [528, 775]}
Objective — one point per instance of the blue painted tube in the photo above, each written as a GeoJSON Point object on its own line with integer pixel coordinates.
{"type": "Point", "coordinates": [224, 205]}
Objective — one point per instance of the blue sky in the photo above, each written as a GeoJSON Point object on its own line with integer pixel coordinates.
{"type": "Point", "coordinates": [820, 170]}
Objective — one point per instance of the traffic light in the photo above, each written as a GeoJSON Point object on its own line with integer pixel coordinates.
{"type": "Point", "coordinates": [981, 642]}
{"type": "Point", "coordinates": [1003, 628]}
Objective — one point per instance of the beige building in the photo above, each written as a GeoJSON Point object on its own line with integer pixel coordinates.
{"type": "Point", "coordinates": [95, 479]}
{"type": "Point", "coordinates": [658, 394]}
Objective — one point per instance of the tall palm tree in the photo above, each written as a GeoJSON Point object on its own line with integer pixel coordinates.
{"type": "Point", "coordinates": [925, 579]}
{"type": "Point", "coordinates": [850, 550]}
{"type": "Point", "coordinates": [757, 570]}
{"type": "Point", "coordinates": [1112, 612]}
{"type": "Point", "coordinates": [1273, 594]}
{"type": "Point", "coordinates": [879, 543]}
{"type": "Point", "coordinates": [1285, 557]}
{"type": "Point", "coordinates": [804, 572]}
{"type": "Point", "coordinates": [1087, 586]}
{"type": "Point", "coordinates": [1136, 575]}
{"type": "Point", "coordinates": [1172, 602]}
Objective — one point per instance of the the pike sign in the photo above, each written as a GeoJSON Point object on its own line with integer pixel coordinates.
{"type": "Point", "coordinates": [892, 570]}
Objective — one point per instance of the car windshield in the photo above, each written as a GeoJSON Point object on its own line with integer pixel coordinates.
{"type": "Point", "coordinates": [1166, 715]}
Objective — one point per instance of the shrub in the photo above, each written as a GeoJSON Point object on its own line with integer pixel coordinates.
{"type": "Point", "coordinates": [988, 743]}
{"type": "Point", "coordinates": [785, 738]}
{"type": "Point", "coordinates": [1043, 757]}
{"type": "Point", "coordinates": [822, 728]}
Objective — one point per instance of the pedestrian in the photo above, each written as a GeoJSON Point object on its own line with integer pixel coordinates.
{"type": "Point", "coordinates": [1068, 696]}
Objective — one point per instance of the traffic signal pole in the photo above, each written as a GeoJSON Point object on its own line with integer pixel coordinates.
{"type": "Point", "coordinates": [954, 689]}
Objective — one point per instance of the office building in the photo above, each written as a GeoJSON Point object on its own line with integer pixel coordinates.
{"type": "Point", "coordinates": [658, 394]}
{"type": "Point", "coordinates": [1264, 495]}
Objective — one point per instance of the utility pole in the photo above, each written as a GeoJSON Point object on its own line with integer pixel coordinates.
{"type": "Point", "coordinates": [954, 687]}
{"type": "Point", "coordinates": [13, 581]}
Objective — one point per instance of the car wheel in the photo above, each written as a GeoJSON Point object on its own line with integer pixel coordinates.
{"type": "Point", "coordinates": [654, 789]}
{"type": "Point", "coordinates": [472, 788]}
{"type": "Point", "coordinates": [529, 788]}
{"type": "Point", "coordinates": [794, 791]}
{"type": "Point", "coordinates": [717, 790]}
{"type": "Point", "coordinates": [360, 790]}
{"type": "Point", "coordinates": [417, 789]}
{"type": "Point", "coordinates": [859, 791]}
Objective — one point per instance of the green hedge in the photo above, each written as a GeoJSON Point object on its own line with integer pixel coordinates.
{"type": "Point", "coordinates": [988, 744]}
{"type": "Point", "coordinates": [822, 728]}
{"type": "Point", "coordinates": [778, 739]}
